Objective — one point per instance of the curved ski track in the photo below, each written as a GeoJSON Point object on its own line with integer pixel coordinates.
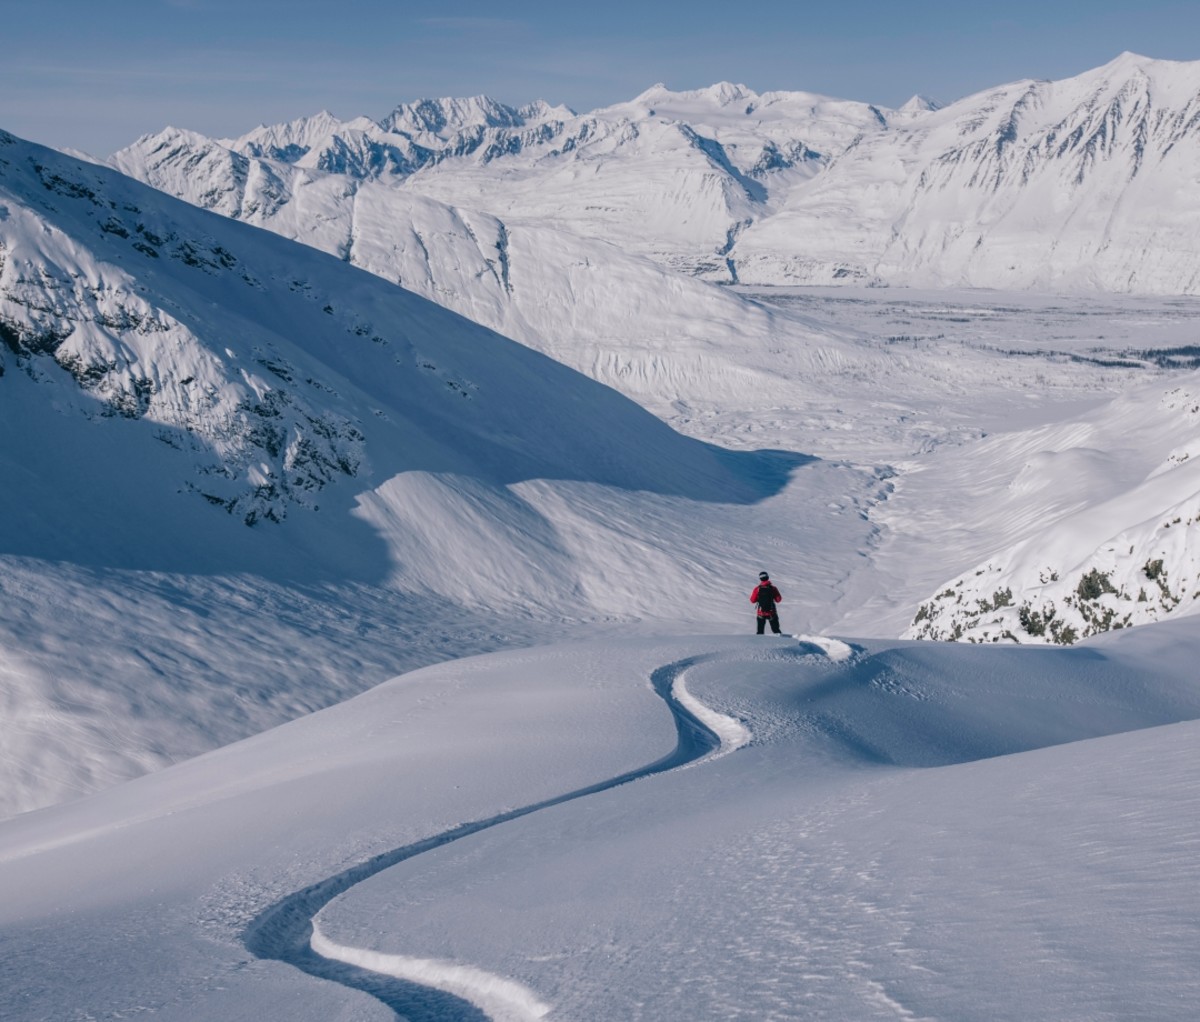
{"type": "Point", "coordinates": [284, 931]}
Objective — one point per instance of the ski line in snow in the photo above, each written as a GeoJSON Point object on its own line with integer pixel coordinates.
{"type": "Point", "coordinates": [423, 990]}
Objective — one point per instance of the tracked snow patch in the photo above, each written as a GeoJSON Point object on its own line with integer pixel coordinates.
{"type": "Point", "coordinates": [835, 649]}
{"type": "Point", "coordinates": [502, 1000]}
{"type": "Point", "coordinates": [731, 731]}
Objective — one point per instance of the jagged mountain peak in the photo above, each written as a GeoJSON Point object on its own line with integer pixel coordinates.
{"type": "Point", "coordinates": [720, 94]}
{"type": "Point", "coordinates": [170, 134]}
{"type": "Point", "coordinates": [540, 110]}
{"type": "Point", "coordinates": [292, 140]}
{"type": "Point", "coordinates": [444, 117]}
{"type": "Point", "coordinates": [919, 104]}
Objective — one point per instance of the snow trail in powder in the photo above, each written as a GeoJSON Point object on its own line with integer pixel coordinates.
{"type": "Point", "coordinates": [422, 989]}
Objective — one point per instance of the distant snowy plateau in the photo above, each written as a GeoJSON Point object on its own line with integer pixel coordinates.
{"type": "Point", "coordinates": [471, 428]}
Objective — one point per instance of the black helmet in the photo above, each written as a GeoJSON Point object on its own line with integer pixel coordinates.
{"type": "Point", "coordinates": [763, 576]}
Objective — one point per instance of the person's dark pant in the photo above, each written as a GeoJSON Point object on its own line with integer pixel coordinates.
{"type": "Point", "coordinates": [774, 619]}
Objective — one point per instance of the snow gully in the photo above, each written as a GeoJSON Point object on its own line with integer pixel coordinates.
{"type": "Point", "coordinates": [287, 931]}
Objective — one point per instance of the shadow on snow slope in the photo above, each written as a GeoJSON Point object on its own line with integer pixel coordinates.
{"type": "Point", "coordinates": [157, 359]}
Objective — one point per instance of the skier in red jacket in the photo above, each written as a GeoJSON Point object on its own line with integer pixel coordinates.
{"type": "Point", "coordinates": [765, 596]}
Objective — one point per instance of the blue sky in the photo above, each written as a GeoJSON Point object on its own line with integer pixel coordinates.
{"type": "Point", "coordinates": [94, 75]}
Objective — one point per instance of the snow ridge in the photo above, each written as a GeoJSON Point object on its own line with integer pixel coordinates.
{"type": "Point", "coordinates": [732, 732]}
{"type": "Point", "coordinates": [1128, 560]}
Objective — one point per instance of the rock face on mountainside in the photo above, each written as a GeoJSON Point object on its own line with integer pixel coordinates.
{"type": "Point", "coordinates": [1081, 183]}
{"type": "Point", "coordinates": [1129, 560]}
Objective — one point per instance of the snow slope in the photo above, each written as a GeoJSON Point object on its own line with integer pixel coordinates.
{"type": "Point", "coordinates": [229, 453]}
{"type": "Point", "coordinates": [1105, 535]}
{"type": "Point", "coordinates": [916, 830]}
{"type": "Point", "coordinates": [584, 299]}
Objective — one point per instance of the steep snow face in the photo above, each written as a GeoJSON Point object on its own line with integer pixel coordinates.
{"type": "Point", "coordinates": [274, 362]}
{"type": "Point", "coordinates": [1108, 528]}
{"type": "Point", "coordinates": [1081, 183]}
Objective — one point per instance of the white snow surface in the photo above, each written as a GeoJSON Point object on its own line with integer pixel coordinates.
{"type": "Point", "coordinates": [918, 831]}
{"type": "Point", "coordinates": [420, 487]}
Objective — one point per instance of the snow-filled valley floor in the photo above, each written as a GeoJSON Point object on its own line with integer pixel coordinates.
{"type": "Point", "coordinates": [698, 827]}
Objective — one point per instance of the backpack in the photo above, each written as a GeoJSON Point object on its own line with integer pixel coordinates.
{"type": "Point", "coordinates": [766, 599]}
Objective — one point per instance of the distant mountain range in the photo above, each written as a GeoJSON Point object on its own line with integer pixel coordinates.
{"type": "Point", "coordinates": [1078, 184]}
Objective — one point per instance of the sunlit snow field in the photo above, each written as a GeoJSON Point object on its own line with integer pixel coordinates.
{"type": "Point", "coordinates": [470, 722]}
{"type": "Point", "coordinates": [897, 831]}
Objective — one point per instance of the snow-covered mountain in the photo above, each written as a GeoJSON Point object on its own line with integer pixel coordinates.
{"type": "Point", "coordinates": [669, 175]}
{"type": "Point", "coordinates": [413, 136]}
{"type": "Point", "coordinates": [1075, 184]}
{"type": "Point", "coordinates": [554, 261]}
{"type": "Point", "coordinates": [207, 423]}
{"type": "Point", "coordinates": [241, 480]}
{"type": "Point", "coordinates": [204, 400]}
{"type": "Point", "coordinates": [266, 379]}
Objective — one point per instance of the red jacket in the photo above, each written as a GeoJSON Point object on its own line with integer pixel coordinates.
{"type": "Point", "coordinates": [765, 587]}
